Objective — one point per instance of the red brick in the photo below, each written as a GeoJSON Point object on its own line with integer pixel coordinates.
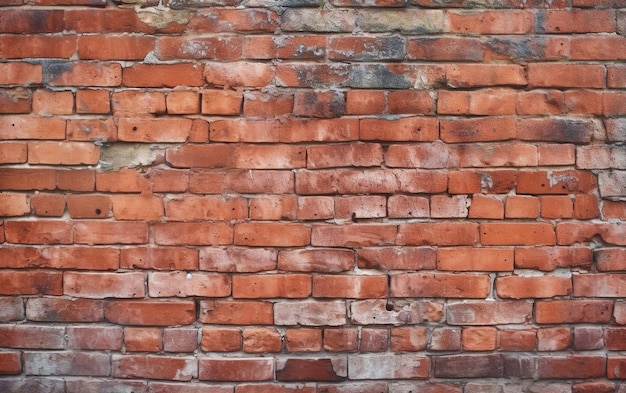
{"type": "Point", "coordinates": [313, 369]}
{"type": "Point", "coordinates": [471, 75]}
{"type": "Point", "coordinates": [64, 310]}
{"type": "Point", "coordinates": [517, 340]}
{"type": "Point", "coordinates": [319, 130]}
{"type": "Point", "coordinates": [104, 285]}
{"type": "Point", "coordinates": [365, 102]}
{"type": "Point", "coordinates": [237, 259]}
{"type": "Point", "coordinates": [32, 336]}
{"type": "Point", "coordinates": [577, 21]}
{"type": "Point", "coordinates": [556, 154]}
{"type": "Point", "coordinates": [495, 234]}
{"type": "Point", "coordinates": [616, 76]}
{"type": "Point", "coordinates": [91, 129]}
{"type": "Point", "coordinates": [406, 206]}
{"type": "Point", "coordinates": [310, 313]}
{"type": "Point", "coordinates": [268, 105]}
{"type": "Point", "coordinates": [240, 20]}
{"type": "Point", "coordinates": [408, 339]}
{"type": "Point", "coordinates": [556, 206]}
{"type": "Point", "coordinates": [222, 47]}
{"type": "Point", "coordinates": [180, 339]}
{"type": "Point", "coordinates": [583, 102]}
{"type": "Point", "coordinates": [10, 363]}
{"type": "Point", "coordinates": [391, 258]}
{"type": "Point", "coordinates": [323, 104]}
{"type": "Point", "coordinates": [269, 157]}
{"type": "Point", "coordinates": [91, 364]}
{"type": "Point", "coordinates": [303, 340]}
{"type": "Point", "coordinates": [236, 369]}
{"type": "Point", "coordinates": [13, 153]}
{"type": "Point", "coordinates": [549, 258]}
{"type": "Point", "coordinates": [230, 312]}
{"type": "Point", "coordinates": [143, 339]}
{"type": "Point", "coordinates": [355, 234]}
{"type": "Point", "coordinates": [221, 102]}
{"type": "Point", "coordinates": [154, 130]}
{"type": "Point", "coordinates": [573, 366]}
{"type": "Point", "coordinates": [388, 366]}
{"type": "Point", "coordinates": [599, 285]}
{"type": "Point", "coordinates": [340, 340]}
{"type": "Point", "coordinates": [597, 387]}
{"type": "Point", "coordinates": [83, 74]}
{"type": "Point", "coordinates": [220, 339]}
{"type": "Point", "coordinates": [491, 22]}
{"type": "Point", "coordinates": [95, 338]}
{"type": "Point", "coordinates": [373, 340]}
{"type": "Point", "coordinates": [29, 127]}
{"type": "Point", "coordinates": [260, 181]}
{"type": "Point", "coordinates": [272, 234]}
{"type": "Point", "coordinates": [193, 208]}
{"type": "Point", "coordinates": [273, 208]}
{"type": "Point", "coordinates": [453, 102]}
{"type": "Point", "coordinates": [262, 340]}
{"type": "Point", "coordinates": [162, 75]}
{"type": "Point", "coordinates": [315, 208]}
{"type": "Point", "coordinates": [565, 75]}
{"type": "Point", "coordinates": [486, 207]}
{"type": "Point", "coordinates": [481, 129]}
{"type": "Point", "coordinates": [573, 311]}
{"type": "Point", "coordinates": [610, 259]}
{"type": "Point", "coordinates": [38, 232]}
{"type": "Point", "coordinates": [31, 20]}
{"type": "Point", "coordinates": [246, 74]}
{"type": "Point", "coordinates": [389, 312]}
{"type": "Point", "coordinates": [591, 47]}
{"type": "Point", "coordinates": [446, 285]}
{"type": "Point", "coordinates": [413, 129]}
{"type": "Point", "coordinates": [568, 233]}
{"type": "Point", "coordinates": [107, 232]}
{"type": "Point", "coordinates": [479, 338]}
{"type": "Point", "coordinates": [148, 312]}
{"type": "Point", "coordinates": [15, 100]}
{"type": "Point", "coordinates": [13, 204]}
{"type": "Point", "coordinates": [493, 182]}
{"type": "Point", "coordinates": [137, 207]}
{"type": "Point", "coordinates": [357, 207]}
{"type": "Point", "coordinates": [611, 103]}
{"type": "Point", "coordinates": [316, 260]}
{"type": "Point", "coordinates": [475, 259]}
{"type": "Point", "coordinates": [271, 286]}
{"type": "Point", "coordinates": [37, 46]}
{"type": "Point", "coordinates": [454, 206]}
{"type": "Point", "coordinates": [34, 282]}
{"type": "Point", "coordinates": [557, 182]}
{"type": "Point", "coordinates": [517, 287]}
{"type": "Point", "coordinates": [356, 287]}
{"type": "Point", "coordinates": [493, 102]}
{"type": "Point", "coordinates": [63, 153]}
{"type": "Point", "coordinates": [363, 48]}
{"type": "Point", "coordinates": [554, 339]}
{"type": "Point", "coordinates": [181, 284]}
{"type": "Point", "coordinates": [103, 47]}
{"type": "Point", "coordinates": [446, 49]}
{"type": "Point", "coordinates": [311, 75]}
{"type": "Point", "coordinates": [133, 103]}
{"type": "Point", "coordinates": [76, 180]}
{"type": "Point", "coordinates": [480, 312]}
{"type": "Point", "coordinates": [183, 102]}
{"type": "Point", "coordinates": [188, 233]}
{"type": "Point", "coordinates": [12, 309]}
{"type": "Point", "coordinates": [93, 101]}
{"type": "Point", "coordinates": [612, 209]}
{"type": "Point", "coordinates": [303, 47]}
{"type": "Point", "coordinates": [540, 102]}
{"type": "Point", "coordinates": [154, 367]}
{"type": "Point", "coordinates": [20, 73]}
{"type": "Point", "coordinates": [615, 367]}
{"type": "Point", "coordinates": [441, 234]}
{"type": "Point", "coordinates": [162, 258]}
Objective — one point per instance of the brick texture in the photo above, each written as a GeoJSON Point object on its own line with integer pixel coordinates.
{"type": "Point", "coordinates": [313, 196]}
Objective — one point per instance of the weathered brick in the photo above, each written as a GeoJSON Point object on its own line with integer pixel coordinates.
{"type": "Point", "coordinates": [67, 363]}
{"type": "Point", "coordinates": [388, 366]}
{"type": "Point", "coordinates": [154, 367]}
{"type": "Point", "coordinates": [155, 313]}
{"type": "Point", "coordinates": [320, 369]}
{"type": "Point", "coordinates": [236, 369]}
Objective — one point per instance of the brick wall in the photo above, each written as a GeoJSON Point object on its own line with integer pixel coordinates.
{"type": "Point", "coordinates": [339, 196]}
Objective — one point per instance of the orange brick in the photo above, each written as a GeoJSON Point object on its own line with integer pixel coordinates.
{"type": "Point", "coordinates": [365, 102]}
{"type": "Point", "coordinates": [223, 47]}
{"type": "Point", "coordinates": [137, 207]}
{"type": "Point", "coordinates": [303, 340]}
{"type": "Point", "coordinates": [471, 75]}
{"type": "Point", "coordinates": [183, 102]}
{"type": "Point", "coordinates": [246, 74]}
{"type": "Point", "coordinates": [475, 259]}
{"type": "Point", "coordinates": [48, 205]}
{"type": "Point", "coordinates": [486, 207]}
{"type": "Point", "coordinates": [495, 234]}
{"type": "Point", "coordinates": [515, 287]}
{"type": "Point", "coordinates": [38, 46]}
{"type": "Point", "coordinates": [63, 153]}
{"type": "Point", "coordinates": [143, 339]}
{"type": "Point", "coordinates": [20, 73]}
{"type": "Point", "coordinates": [272, 286]}
{"type": "Point", "coordinates": [13, 152]}
{"type": "Point", "coordinates": [479, 338]}
{"type": "Point", "coordinates": [565, 75]}
{"type": "Point", "coordinates": [556, 206]}
{"type": "Point", "coordinates": [93, 101]}
{"type": "Point", "coordinates": [518, 206]}
{"type": "Point", "coordinates": [133, 103]}
{"type": "Point", "coordinates": [89, 206]}
{"type": "Point", "coordinates": [31, 127]}
{"type": "Point", "coordinates": [15, 100]}
{"type": "Point", "coordinates": [262, 340]}
{"type": "Point", "coordinates": [83, 74]}
{"type": "Point", "coordinates": [13, 204]}
{"type": "Point", "coordinates": [162, 75]}
{"type": "Point", "coordinates": [220, 339]}
{"type": "Point", "coordinates": [356, 287]}
{"type": "Point", "coordinates": [273, 208]}
{"type": "Point", "coordinates": [492, 22]}
{"type": "Point", "coordinates": [221, 102]}
{"type": "Point", "coordinates": [103, 47]}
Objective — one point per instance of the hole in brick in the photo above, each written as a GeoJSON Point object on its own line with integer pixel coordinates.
{"type": "Point", "coordinates": [135, 128]}
{"type": "Point", "coordinates": [388, 307]}
{"type": "Point", "coordinates": [98, 211]}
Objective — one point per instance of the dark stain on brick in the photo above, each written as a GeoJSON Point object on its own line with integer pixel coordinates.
{"type": "Point", "coordinates": [308, 370]}
{"type": "Point", "coordinates": [54, 69]}
{"type": "Point", "coordinates": [377, 76]}
{"type": "Point", "coordinates": [519, 49]}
